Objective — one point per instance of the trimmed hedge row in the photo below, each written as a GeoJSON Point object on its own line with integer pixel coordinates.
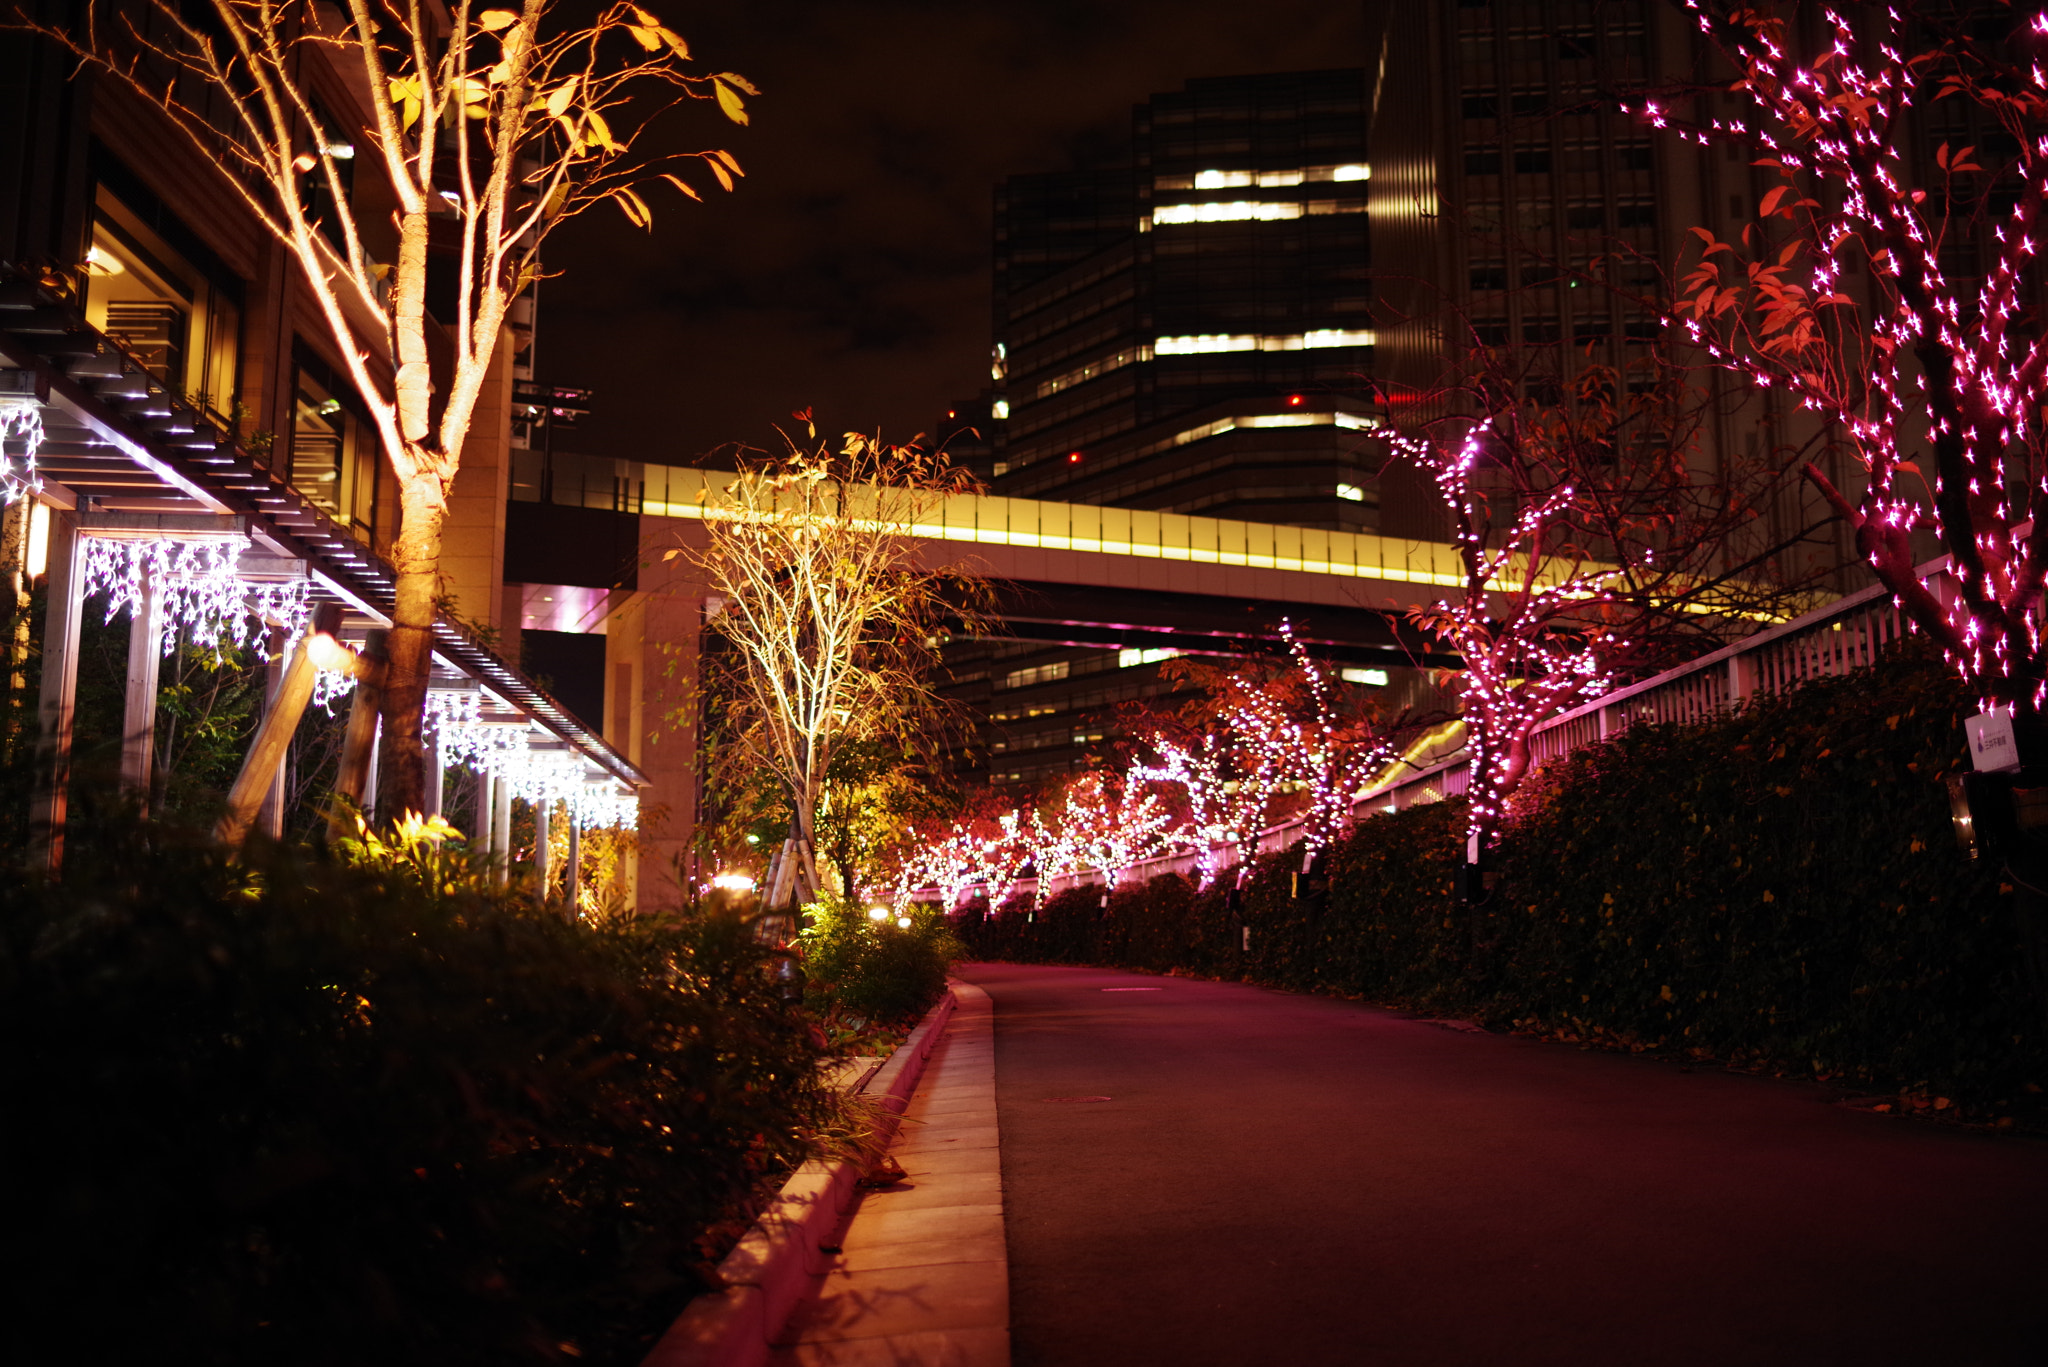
{"type": "Point", "coordinates": [1782, 882]}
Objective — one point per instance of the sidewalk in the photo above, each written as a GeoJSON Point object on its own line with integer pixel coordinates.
{"type": "Point", "coordinates": [922, 1276]}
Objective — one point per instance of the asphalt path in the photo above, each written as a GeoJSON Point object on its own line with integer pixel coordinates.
{"type": "Point", "coordinates": [1213, 1173]}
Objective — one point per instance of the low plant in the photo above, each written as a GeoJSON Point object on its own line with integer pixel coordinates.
{"type": "Point", "coordinates": [880, 970]}
{"type": "Point", "coordinates": [361, 1108]}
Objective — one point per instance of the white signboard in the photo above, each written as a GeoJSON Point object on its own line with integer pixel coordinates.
{"type": "Point", "coordinates": [1991, 744]}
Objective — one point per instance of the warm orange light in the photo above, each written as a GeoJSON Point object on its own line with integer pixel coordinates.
{"type": "Point", "coordinates": [327, 653]}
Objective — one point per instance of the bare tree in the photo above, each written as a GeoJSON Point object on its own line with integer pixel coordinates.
{"type": "Point", "coordinates": [833, 617]}
{"type": "Point", "coordinates": [497, 124]}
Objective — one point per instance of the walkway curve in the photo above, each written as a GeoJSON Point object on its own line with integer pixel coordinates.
{"type": "Point", "coordinates": [1211, 1173]}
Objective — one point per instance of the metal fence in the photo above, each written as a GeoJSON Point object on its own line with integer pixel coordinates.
{"type": "Point", "coordinates": [1845, 635]}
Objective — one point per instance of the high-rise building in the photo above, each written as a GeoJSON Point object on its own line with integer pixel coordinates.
{"type": "Point", "coordinates": [1189, 333]}
{"type": "Point", "coordinates": [1193, 333]}
{"type": "Point", "coordinates": [1520, 201]}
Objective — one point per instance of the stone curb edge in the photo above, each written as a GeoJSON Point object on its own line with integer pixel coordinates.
{"type": "Point", "coordinates": [766, 1272]}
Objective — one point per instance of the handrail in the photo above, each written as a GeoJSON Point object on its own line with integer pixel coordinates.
{"type": "Point", "coordinates": [1610, 714]}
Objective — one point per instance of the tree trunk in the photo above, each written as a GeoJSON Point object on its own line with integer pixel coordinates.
{"type": "Point", "coordinates": [402, 776]}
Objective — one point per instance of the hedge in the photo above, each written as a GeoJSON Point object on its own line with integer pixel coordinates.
{"type": "Point", "coordinates": [1779, 883]}
{"type": "Point", "coordinates": [291, 1109]}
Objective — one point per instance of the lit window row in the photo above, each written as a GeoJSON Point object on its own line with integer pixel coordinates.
{"type": "Point", "coordinates": [1232, 180]}
{"type": "Point", "coordinates": [1129, 657]}
{"type": "Point", "coordinates": [1247, 211]}
{"type": "Point", "coordinates": [1093, 369]}
{"type": "Point", "coordinates": [1371, 678]}
{"type": "Point", "coordinates": [1357, 422]}
{"type": "Point", "coordinates": [1205, 343]}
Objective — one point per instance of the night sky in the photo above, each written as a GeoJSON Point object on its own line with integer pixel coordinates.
{"type": "Point", "coordinates": [850, 270]}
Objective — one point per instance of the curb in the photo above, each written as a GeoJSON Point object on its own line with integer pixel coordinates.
{"type": "Point", "coordinates": [767, 1272]}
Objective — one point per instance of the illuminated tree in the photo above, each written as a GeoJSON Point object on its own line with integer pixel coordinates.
{"type": "Point", "coordinates": [1892, 289]}
{"type": "Point", "coordinates": [1104, 823]}
{"type": "Point", "coordinates": [1594, 544]}
{"type": "Point", "coordinates": [833, 620]}
{"type": "Point", "coordinates": [489, 128]}
{"type": "Point", "coordinates": [1254, 736]}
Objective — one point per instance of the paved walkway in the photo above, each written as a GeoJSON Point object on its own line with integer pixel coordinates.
{"type": "Point", "coordinates": [1204, 1173]}
{"type": "Point", "coordinates": [922, 1277]}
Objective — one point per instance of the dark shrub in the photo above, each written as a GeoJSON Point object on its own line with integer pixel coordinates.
{"type": "Point", "coordinates": [298, 1111]}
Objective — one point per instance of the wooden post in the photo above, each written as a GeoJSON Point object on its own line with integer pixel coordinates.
{"type": "Point", "coordinates": [274, 736]}
{"type": "Point", "coordinates": [61, 616]}
{"type": "Point", "coordinates": [574, 880]}
{"type": "Point", "coordinates": [271, 819]}
{"type": "Point", "coordinates": [543, 823]}
{"type": "Point", "coordinates": [138, 723]}
{"type": "Point", "coordinates": [359, 746]}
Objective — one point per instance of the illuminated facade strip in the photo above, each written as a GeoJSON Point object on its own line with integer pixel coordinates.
{"type": "Point", "coordinates": [1206, 343]}
{"type": "Point", "coordinates": [990, 520]}
{"type": "Point", "coordinates": [1081, 374]}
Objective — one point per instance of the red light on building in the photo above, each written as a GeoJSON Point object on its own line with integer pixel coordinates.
{"type": "Point", "coordinates": [1073, 457]}
{"type": "Point", "coordinates": [1296, 400]}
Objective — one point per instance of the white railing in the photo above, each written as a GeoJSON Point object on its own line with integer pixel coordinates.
{"type": "Point", "coordinates": [1845, 635]}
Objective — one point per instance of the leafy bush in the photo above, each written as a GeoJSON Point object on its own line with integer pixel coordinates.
{"type": "Point", "coordinates": [1778, 883]}
{"type": "Point", "coordinates": [879, 970]}
{"type": "Point", "coordinates": [315, 1111]}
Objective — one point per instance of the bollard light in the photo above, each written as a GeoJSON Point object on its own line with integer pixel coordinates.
{"type": "Point", "coordinates": [878, 913]}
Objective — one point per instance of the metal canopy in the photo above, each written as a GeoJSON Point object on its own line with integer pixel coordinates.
{"type": "Point", "coordinates": [116, 441]}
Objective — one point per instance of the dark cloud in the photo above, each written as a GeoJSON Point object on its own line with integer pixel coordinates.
{"type": "Point", "coordinates": [850, 270]}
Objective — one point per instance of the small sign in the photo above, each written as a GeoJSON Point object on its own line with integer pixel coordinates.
{"type": "Point", "coordinates": [1992, 748]}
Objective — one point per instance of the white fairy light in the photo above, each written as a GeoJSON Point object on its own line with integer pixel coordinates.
{"type": "Point", "coordinates": [195, 582]}
{"type": "Point", "coordinates": [330, 686]}
{"type": "Point", "coordinates": [21, 418]}
{"type": "Point", "coordinates": [506, 751]}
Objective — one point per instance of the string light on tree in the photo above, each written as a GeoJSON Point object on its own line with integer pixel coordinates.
{"type": "Point", "coordinates": [1840, 294]}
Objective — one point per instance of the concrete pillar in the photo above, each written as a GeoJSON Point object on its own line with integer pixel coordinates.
{"type": "Point", "coordinates": [437, 774]}
{"type": "Point", "coordinates": [61, 617]}
{"type": "Point", "coordinates": [501, 826]}
{"type": "Point", "coordinates": [138, 720]}
{"type": "Point", "coordinates": [1742, 679]}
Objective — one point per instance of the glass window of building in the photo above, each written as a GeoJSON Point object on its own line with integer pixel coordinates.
{"type": "Point", "coordinates": [333, 451]}
{"type": "Point", "coordinates": [182, 326]}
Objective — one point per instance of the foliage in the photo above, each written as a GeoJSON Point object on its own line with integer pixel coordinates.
{"type": "Point", "coordinates": [311, 1111]}
{"type": "Point", "coordinates": [1781, 882]}
{"type": "Point", "coordinates": [510, 121]}
{"type": "Point", "coordinates": [1251, 745]}
{"type": "Point", "coordinates": [1894, 294]}
{"type": "Point", "coordinates": [876, 968]}
{"type": "Point", "coordinates": [1594, 543]}
{"type": "Point", "coordinates": [831, 619]}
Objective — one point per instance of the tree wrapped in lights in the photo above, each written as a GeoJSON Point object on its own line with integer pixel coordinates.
{"type": "Point", "coordinates": [1591, 542]}
{"type": "Point", "coordinates": [497, 124]}
{"type": "Point", "coordinates": [832, 618]}
{"type": "Point", "coordinates": [1852, 293]}
{"type": "Point", "coordinates": [1254, 736]}
{"type": "Point", "coordinates": [1102, 822]}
